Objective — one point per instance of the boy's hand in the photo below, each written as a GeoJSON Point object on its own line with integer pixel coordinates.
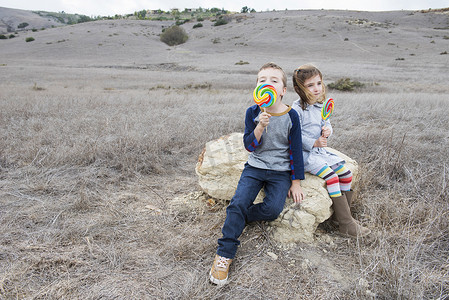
{"type": "Point", "coordinates": [264, 119]}
{"type": "Point", "coordinates": [320, 142]}
{"type": "Point", "coordinates": [325, 131]}
{"type": "Point", "coordinates": [295, 191]}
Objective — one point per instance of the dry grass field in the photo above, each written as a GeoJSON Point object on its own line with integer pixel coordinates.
{"type": "Point", "coordinates": [102, 124]}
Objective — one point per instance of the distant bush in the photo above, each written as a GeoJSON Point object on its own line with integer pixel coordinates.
{"type": "Point", "coordinates": [198, 86]}
{"type": "Point", "coordinates": [180, 22]}
{"type": "Point", "coordinates": [11, 36]}
{"type": "Point", "coordinates": [174, 35]}
{"type": "Point", "coordinates": [198, 25]}
{"type": "Point", "coordinates": [3, 37]}
{"type": "Point", "coordinates": [23, 25]}
{"type": "Point", "coordinates": [345, 84]}
{"type": "Point", "coordinates": [29, 39]}
{"type": "Point", "coordinates": [200, 19]}
{"type": "Point", "coordinates": [160, 18]}
{"type": "Point", "coordinates": [220, 22]}
{"type": "Point", "coordinates": [241, 62]}
{"type": "Point", "coordinates": [38, 88]}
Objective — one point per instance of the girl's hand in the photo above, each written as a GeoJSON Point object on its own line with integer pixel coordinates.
{"type": "Point", "coordinates": [295, 191]}
{"type": "Point", "coordinates": [325, 131]}
{"type": "Point", "coordinates": [320, 142]}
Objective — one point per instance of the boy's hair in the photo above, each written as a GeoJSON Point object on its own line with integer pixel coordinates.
{"type": "Point", "coordinates": [300, 75]}
{"type": "Point", "coordinates": [272, 65]}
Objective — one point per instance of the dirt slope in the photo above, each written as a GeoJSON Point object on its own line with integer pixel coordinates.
{"type": "Point", "coordinates": [10, 19]}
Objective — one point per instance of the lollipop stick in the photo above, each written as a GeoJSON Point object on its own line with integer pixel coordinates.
{"type": "Point", "coordinates": [266, 127]}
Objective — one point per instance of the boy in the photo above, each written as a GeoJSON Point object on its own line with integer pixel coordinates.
{"type": "Point", "coordinates": [275, 163]}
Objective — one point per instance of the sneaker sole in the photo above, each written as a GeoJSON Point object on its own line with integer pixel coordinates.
{"type": "Point", "coordinates": [217, 281]}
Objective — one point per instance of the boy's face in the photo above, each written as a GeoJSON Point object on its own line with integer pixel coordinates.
{"type": "Point", "coordinates": [273, 77]}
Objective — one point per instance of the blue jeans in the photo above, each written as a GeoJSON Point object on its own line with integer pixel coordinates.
{"type": "Point", "coordinates": [241, 210]}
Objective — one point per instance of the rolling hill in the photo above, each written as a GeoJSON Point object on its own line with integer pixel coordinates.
{"type": "Point", "coordinates": [370, 46]}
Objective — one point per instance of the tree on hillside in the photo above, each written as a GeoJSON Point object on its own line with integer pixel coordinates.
{"type": "Point", "coordinates": [246, 9]}
{"type": "Point", "coordinates": [83, 19]}
{"type": "Point", "coordinates": [140, 14]}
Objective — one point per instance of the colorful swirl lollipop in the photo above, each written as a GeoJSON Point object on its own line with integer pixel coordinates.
{"type": "Point", "coordinates": [327, 109]}
{"type": "Point", "coordinates": [265, 95]}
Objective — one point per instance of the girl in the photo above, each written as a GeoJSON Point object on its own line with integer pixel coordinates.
{"type": "Point", "coordinates": [308, 84]}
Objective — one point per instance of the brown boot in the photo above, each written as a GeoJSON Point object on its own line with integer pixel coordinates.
{"type": "Point", "coordinates": [348, 195]}
{"type": "Point", "coordinates": [347, 225]}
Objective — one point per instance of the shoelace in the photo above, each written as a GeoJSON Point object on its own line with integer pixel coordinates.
{"type": "Point", "coordinates": [222, 262]}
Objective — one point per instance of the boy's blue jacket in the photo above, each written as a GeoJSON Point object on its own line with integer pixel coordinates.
{"type": "Point", "coordinates": [280, 147]}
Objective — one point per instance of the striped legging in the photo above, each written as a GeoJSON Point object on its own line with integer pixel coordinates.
{"type": "Point", "coordinates": [338, 178]}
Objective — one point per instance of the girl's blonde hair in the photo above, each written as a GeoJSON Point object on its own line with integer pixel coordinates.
{"type": "Point", "coordinates": [300, 75]}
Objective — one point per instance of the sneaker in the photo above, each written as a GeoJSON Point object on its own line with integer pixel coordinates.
{"type": "Point", "coordinates": [220, 269]}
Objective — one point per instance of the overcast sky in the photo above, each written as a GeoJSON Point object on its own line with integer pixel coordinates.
{"type": "Point", "coordinates": [112, 7]}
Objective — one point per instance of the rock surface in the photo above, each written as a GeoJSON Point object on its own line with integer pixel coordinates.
{"type": "Point", "coordinates": [219, 168]}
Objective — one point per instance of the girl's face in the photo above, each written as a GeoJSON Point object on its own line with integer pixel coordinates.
{"type": "Point", "coordinates": [315, 87]}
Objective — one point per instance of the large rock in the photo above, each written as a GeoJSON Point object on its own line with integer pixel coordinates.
{"type": "Point", "coordinates": [219, 168]}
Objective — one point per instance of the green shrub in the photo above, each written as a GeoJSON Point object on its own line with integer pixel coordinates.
{"type": "Point", "coordinates": [220, 22]}
{"type": "Point", "coordinates": [160, 18]}
{"type": "Point", "coordinates": [345, 84]}
{"type": "Point", "coordinates": [29, 39]}
{"type": "Point", "coordinates": [197, 25]}
{"type": "Point", "coordinates": [3, 37]}
{"type": "Point", "coordinates": [174, 35]}
{"type": "Point", "coordinates": [23, 25]}
{"type": "Point", "coordinates": [180, 22]}
{"type": "Point", "coordinates": [200, 19]}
